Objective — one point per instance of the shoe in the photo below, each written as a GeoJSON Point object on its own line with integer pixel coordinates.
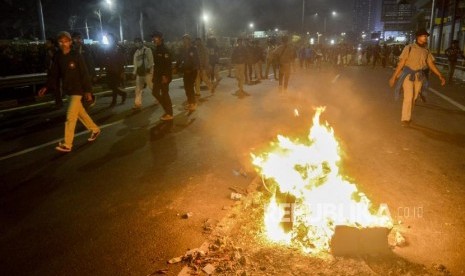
{"type": "Point", "coordinates": [405, 123]}
{"type": "Point", "coordinates": [61, 147]}
{"type": "Point", "coordinates": [136, 107]}
{"type": "Point", "coordinates": [243, 93]}
{"type": "Point", "coordinates": [198, 94]}
{"type": "Point", "coordinates": [167, 117]}
{"type": "Point", "coordinates": [123, 97]}
{"type": "Point", "coordinates": [93, 136]}
{"type": "Point", "coordinates": [192, 107]}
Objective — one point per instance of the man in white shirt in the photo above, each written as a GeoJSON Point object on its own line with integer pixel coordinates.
{"type": "Point", "coordinates": [143, 69]}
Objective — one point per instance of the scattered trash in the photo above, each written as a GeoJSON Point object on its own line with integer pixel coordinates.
{"type": "Point", "coordinates": [209, 269]}
{"type": "Point", "coordinates": [240, 172]}
{"type": "Point", "coordinates": [209, 225]}
{"type": "Point", "coordinates": [236, 196]}
{"type": "Point", "coordinates": [175, 260]}
{"type": "Point", "coordinates": [187, 215]}
{"type": "Point", "coordinates": [400, 240]}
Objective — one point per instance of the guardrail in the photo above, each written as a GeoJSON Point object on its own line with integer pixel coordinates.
{"type": "Point", "coordinates": [40, 78]}
{"type": "Point", "coordinates": [443, 61]}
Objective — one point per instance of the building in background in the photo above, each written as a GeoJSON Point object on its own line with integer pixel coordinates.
{"type": "Point", "coordinates": [444, 19]}
{"type": "Point", "coordinates": [398, 18]}
{"type": "Point", "coordinates": [367, 18]}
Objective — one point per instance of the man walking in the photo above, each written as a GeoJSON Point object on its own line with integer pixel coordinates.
{"type": "Point", "coordinates": [70, 67]}
{"type": "Point", "coordinates": [143, 63]}
{"type": "Point", "coordinates": [189, 64]}
{"type": "Point", "coordinates": [162, 76]}
{"type": "Point", "coordinates": [114, 65]}
{"type": "Point", "coordinates": [452, 53]}
{"type": "Point", "coordinates": [409, 74]}
{"type": "Point", "coordinates": [239, 59]}
{"type": "Point", "coordinates": [285, 56]}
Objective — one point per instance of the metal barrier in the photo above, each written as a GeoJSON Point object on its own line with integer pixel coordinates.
{"type": "Point", "coordinates": [440, 60]}
{"type": "Point", "coordinates": [40, 78]}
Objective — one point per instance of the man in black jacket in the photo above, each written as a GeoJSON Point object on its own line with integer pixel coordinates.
{"type": "Point", "coordinates": [162, 76]}
{"type": "Point", "coordinates": [70, 67]}
{"type": "Point", "coordinates": [452, 53]}
{"type": "Point", "coordinates": [189, 64]}
{"type": "Point", "coordinates": [114, 64]}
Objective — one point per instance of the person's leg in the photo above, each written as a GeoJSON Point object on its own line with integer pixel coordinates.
{"type": "Point", "coordinates": [189, 80]}
{"type": "Point", "coordinates": [166, 99]}
{"type": "Point", "coordinates": [71, 119]}
{"type": "Point", "coordinates": [452, 66]}
{"type": "Point", "coordinates": [198, 80]}
{"type": "Point", "coordinates": [287, 74]}
{"type": "Point", "coordinates": [86, 120]}
{"type": "Point", "coordinates": [140, 81]}
{"type": "Point", "coordinates": [408, 100]}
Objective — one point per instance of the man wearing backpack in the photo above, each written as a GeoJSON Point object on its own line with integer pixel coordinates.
{"type": "Point", "coordinates": [410, 75]}
{"type": "Point", "coordinates": [143, 70]}
{"type": "Point", "coordinates": [70, 67]}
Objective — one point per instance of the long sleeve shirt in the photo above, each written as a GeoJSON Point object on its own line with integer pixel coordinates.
{"type": "Point", "coordinates": [162, 62]}
{"type": "Point", "coordinates": [143, 56]}
{"type": "Point", "coordinates": [71, 69]}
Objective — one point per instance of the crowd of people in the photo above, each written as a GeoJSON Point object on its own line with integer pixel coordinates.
{"type": "Point", "coordinates": [73, 64]}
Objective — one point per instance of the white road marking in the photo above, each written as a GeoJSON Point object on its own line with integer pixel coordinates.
{"type": "Point", "coordinates": [335, 79]}
{"type": "Point", "coordinates": [456, 104]}
{"type": "Point", "coordinates": [56, 141]}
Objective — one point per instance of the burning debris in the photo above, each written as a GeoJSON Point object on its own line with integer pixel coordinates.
{"type": "Point", "coordinates": [310, 199]}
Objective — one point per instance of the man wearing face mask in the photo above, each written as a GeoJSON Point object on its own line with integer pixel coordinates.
{"type": "Point", "coordinates": [143, 66]}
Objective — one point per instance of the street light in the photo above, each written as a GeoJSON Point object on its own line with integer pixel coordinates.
{"type": "Point", "coordinates": [205, 18]}
{"type": "Point", "coordinates": [251, 26]}
{"type": "Point", "coordinates": [110, 7]}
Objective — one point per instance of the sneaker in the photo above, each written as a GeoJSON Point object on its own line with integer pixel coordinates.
{"type": "Point", "coordinates": [405, 123]}
{"type": "Point", "coordinates": [61, 147]}
{"type": "Point", "coordinates": [192, 107]}
{"type": "Point", "coordinates": [243, 93]}
{"type": "Point", "coordinates": [136, 107]}
{"type": "Point", "coordinates": [167, 117]}
{"type": "Point", "coordinates": [93, 136]}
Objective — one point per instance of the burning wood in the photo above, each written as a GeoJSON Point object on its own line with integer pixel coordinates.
{"type": "Point", "coordinates": [310, 200]}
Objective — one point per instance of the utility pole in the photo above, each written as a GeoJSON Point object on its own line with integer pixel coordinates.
{"type": "Point", "coordinates": [303, 16]}
{"type": "Point", "coordinates": [41, 19]}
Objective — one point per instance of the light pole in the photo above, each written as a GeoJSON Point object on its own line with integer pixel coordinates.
{"type": "Point", "coordinates": [251, 26]}
{"type": "Point", "coordinates": [204, 27]}
{"type": "Point", "coordinates": [110, 6]}
{"type": "Point", "coordinates": [303, 15]}
{"type": "Point", "coordinates": [99, 14]}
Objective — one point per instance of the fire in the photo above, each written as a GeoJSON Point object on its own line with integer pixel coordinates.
{"type": "Point", "coordinates": [309, 196]}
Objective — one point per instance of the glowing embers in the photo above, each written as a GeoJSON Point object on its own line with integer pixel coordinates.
{"type": "Point", "coordinates": [309, 196]}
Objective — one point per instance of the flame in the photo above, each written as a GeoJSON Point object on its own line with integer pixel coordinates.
{"type": "Point", "coordinates": [308, 174]}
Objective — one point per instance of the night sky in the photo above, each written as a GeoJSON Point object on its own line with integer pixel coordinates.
{"type": "Point", "coordinates": [172, 17]}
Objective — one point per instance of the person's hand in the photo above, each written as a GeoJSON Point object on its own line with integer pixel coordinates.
{"type": "Point", "coordinates": [392, 81]}
{"type": "Point", "coordinates": [164, 79]}
{"type": "Point", "coordinates": [443, 80]}
{"type": "Point", "coordinates": [42, 91]}
{"type": "Point", "coordinates": [88, 97]}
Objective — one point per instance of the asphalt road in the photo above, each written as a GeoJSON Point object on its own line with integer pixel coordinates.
{"type": "Point", "coordinates": [114, 207]}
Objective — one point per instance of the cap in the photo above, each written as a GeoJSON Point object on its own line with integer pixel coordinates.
{"type": "Point", "coordinates": [63, 34]}
{"type": "Point", "coordinates": [421, 32]}
{"type": "Point", "coordinates": [157, 34]}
